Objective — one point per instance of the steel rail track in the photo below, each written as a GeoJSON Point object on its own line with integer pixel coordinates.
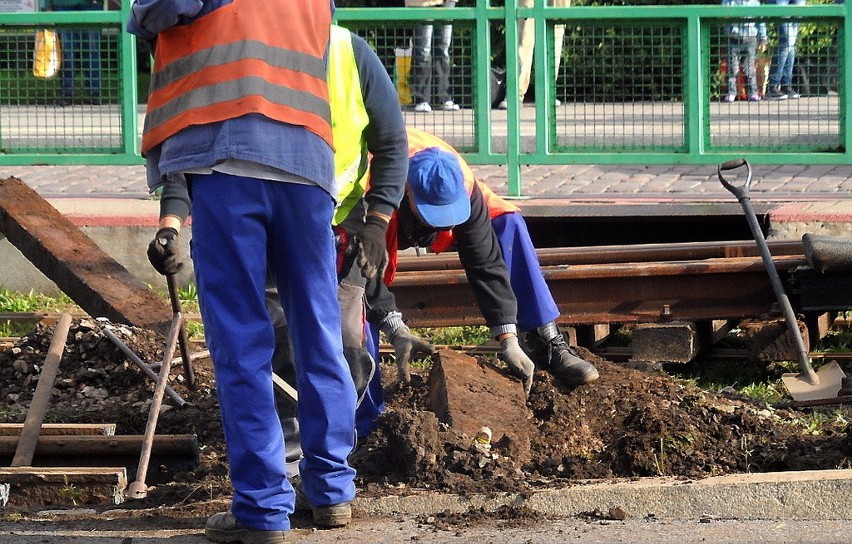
{"type": "Point", "coordinates": [697, 281]}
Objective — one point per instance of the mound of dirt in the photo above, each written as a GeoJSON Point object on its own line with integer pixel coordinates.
{"type": "Point", "coordinates": [627, 424]}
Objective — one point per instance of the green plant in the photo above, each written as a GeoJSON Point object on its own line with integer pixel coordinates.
{"type": "Point", "coordinates": [455, 336]}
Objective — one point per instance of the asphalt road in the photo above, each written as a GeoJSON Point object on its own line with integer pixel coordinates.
{"type": "Point", "coordinates": [375, 530]}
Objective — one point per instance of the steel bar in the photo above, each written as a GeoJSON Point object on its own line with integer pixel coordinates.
{"type": "Point", "coordinates": [617, 254]}
{"type": "Point", "coordinates": [138, 489]}
{"type": "Point", "coordinates": [143, 366]}
{"type": "Point", "coordinates": [41, 398]}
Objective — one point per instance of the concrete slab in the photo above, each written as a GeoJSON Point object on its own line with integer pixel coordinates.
{"type": "Point", "coordinates": [805, 495]}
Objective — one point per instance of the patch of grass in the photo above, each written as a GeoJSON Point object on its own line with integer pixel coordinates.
{"type": "Point", "coordinates": [455, 336]}
{"type": "Point", "coordinates": [839, 341]}
{"type": "Point", "coordinates": [11, 301]}
{"type": "Point", "coordinates": [827, 421]}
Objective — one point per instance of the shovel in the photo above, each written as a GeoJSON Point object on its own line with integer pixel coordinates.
{"type": "Point", "coordinates": [806, 385]}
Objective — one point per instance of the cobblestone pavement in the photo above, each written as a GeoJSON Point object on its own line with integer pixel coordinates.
{"type": "Point", "coordinates": [583, 182]}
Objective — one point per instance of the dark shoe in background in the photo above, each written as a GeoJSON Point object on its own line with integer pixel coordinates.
{"type": "Point", "coordinates": [792, 94]}
{"type": "Point", "coordinates": [775, 94]}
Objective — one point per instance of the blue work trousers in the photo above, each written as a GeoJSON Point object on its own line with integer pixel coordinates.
{"type": "Point", "coordinates": [239, 225]}
{"type": "Point", "coordinates": [536, 306]}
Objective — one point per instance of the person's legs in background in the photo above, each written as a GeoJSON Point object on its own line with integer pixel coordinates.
{"type": "Point", "coordinates": [443, 63]}
{"type": "Point", "coordinates": [526, 45]}
{"type": "Point", "coordinates": [420, 79]}
{"type": "Point", "coordinates": [735, 51]}
{"type": "Point", "coordinates": [68, 43]}
{"type": "Point", "coordinates": [90, 60]}
{"type": "Point", "coordinates": [751, 68]}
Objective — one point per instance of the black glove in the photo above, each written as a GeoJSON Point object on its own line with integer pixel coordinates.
{"type": "Point", "coordinates": [163, 252]}
{"type": "Point", "coordinates": [372, 247]}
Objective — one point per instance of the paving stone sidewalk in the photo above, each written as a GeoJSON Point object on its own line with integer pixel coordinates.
{"type": "Point", "coordinates": [679, 182]}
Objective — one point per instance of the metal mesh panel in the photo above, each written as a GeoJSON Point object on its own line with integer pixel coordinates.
{"type": "Point", "coordinates": [621, 88]}
{"type": "Point", "coordinates": [394, 43]}
{"type": "Point", "coordinates": [777, 121]}
{"type": "Point", "coordinates": [74, 111]}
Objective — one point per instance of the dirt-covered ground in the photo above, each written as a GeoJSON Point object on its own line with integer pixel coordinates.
{"type": "Point", "coordinates": [627, 424]}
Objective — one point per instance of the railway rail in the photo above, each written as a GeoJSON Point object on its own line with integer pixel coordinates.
{"type": "Point", "coordinates": [602, 286]}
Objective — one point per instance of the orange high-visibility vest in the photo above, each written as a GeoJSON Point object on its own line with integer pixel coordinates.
{"type": "Point", "coordinates": [239, 60]}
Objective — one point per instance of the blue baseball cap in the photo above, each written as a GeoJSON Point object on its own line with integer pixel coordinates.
{"type": "Point", "coordinates": [437, 185]}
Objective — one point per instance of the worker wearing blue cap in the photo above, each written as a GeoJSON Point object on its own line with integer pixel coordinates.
{"type": "Point", "coordinates": [444, 207]}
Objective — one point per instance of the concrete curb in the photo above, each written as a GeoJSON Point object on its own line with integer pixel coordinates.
{"type": "Point", "coordinates": [805, 495]}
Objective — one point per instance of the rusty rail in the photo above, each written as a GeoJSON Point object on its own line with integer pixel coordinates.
{"type": "Point", "coordinates": [608, 284]}
{"type": "Point", "coordinates": [692, 282]}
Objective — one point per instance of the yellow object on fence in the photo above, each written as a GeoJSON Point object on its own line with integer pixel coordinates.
{"type": "Point", "coordinates": [47, 55]}
{"type": "Point", "coordinates": [403, 69]}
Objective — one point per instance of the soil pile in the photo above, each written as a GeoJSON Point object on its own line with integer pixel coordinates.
{"type": "Point", "coordinates": [627, 424]}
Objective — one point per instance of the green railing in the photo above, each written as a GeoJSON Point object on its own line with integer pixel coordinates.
{"type": "Point", "coordinates": [98, 122]}
{"type": "Point", "coordinates": [636, 85]}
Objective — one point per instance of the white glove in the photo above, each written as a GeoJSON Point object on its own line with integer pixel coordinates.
{"type": "Point", "coordinates": [518, 361]}
{"type": "Point", "coordinates": [406, 346]}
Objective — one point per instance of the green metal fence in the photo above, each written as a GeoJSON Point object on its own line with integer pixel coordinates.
{"type": "Point", "coordinates": [635, 85]}
{"type": "Point", "coordinates": [93, 118]}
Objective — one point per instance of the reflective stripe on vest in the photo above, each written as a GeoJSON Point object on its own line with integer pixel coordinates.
{"type": "Point", "coordinates": [238, 60]}
{"type": "Point", "coordinates": [349, 119]}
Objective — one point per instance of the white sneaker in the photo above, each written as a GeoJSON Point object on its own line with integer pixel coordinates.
{"type": "Point", "coordinates": [449, 105]}
{"type": "Point", "coordinates": [502, 105]}
{"type": "Point", "coordinates": [557, 102]}
{"type": "Point", "coordinates": [423, 107]}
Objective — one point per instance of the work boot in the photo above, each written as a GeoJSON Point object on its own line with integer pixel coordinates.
{"type": "Point", "coordinates": [224, 527]}
{"type": "Point", "coordinates": [335, 515]}
{"type": "Point", "coordinates": [547, 348]}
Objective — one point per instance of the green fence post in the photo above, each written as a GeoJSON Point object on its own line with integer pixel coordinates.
{"type": "Point", "coordinates": [513, 114]}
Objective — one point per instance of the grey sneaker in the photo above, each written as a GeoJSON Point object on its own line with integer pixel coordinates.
{"type": "Point", "coordinates": [792, 94]}
{"type": "Point", "coordinates": [224, 527]}
{"type": "Point", "coordinates": [335, 515]}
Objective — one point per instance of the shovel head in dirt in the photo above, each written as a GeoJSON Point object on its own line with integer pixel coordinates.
{"type": "Point", "coordinates": [830, 377]}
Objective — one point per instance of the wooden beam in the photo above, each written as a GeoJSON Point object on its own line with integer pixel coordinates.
{"type": "Point", "coordinates": [75, 263]}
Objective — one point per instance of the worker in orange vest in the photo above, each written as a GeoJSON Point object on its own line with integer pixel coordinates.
{"type": "Point", "coordinates": [445, 207]}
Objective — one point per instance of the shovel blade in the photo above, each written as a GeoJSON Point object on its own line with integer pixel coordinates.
{"type": "Point", "coordinates": [830, 376]}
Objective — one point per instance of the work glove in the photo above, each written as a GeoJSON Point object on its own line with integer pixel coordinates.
{"type": "Point", "coordinates": [405, 346]}
{"type": "Point", "coordinates": [163, 252]}
{"type": "Point", "coordinates": [372, 248]}
{"type": "Point", "coordinates": [518, 361]}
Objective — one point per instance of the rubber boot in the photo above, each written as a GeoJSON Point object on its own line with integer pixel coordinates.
{"type": "Point", "coordinates": [549, 350]}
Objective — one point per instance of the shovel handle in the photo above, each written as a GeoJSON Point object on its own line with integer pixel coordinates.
{"type": "Point", "coordinates": [740, 192]}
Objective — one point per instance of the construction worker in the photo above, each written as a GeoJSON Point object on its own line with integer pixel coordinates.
{"type": "Point", "coordinates": [444, 206]}
{"type": "Point", "coordinates": [252, 142]}
{"type": "Point", "coordinates": [366, 120]}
